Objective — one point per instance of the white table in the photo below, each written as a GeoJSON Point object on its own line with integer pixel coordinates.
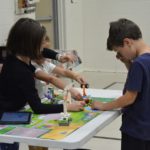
{"type": "Point", "coordinates": [79, 137]}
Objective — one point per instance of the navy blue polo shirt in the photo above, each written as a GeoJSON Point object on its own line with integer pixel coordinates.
{"type": "Point", "coordinates": [136, 117]}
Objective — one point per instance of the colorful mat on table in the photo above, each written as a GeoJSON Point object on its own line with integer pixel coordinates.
{"type": "Point", "coordinates": [102, 99]}
{"type": "Point", "coordinates": [46, 126]}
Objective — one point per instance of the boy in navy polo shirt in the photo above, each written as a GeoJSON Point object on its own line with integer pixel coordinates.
{"type": "Point", "coordinates": [125, 38]}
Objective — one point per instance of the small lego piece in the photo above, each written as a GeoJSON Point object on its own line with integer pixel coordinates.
{"type": "Point", "coordinates": [50, 96]}
{"type": "Point", "coordinates": [69, 100]}
{"type": "Point", "coordinates": [85, 85]}
{"type": "Point", "coordinates": [50, 93]}
{"type": "Point", "coordinates": [87, 100]}
{"type": "Point", "coordinates": [64, 121]}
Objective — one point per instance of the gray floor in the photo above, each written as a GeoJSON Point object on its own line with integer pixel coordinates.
{"type": "Point", "coordinates": [109, 137]}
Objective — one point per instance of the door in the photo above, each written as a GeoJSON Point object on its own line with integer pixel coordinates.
{"type": "Point", "coordinates": [46, 14]}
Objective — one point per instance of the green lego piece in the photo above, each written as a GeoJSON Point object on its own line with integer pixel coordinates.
{"type": "Point", "coordinates": [65, 121]}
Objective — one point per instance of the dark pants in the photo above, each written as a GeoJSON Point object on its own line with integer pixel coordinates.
{"type": "Point", "coordinates": [131, 143]}
{"type": "Point", "coordinates": [6, 146]}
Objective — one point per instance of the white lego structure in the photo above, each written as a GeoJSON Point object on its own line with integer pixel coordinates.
{"type": "Point", "coordinates": [65, 116]}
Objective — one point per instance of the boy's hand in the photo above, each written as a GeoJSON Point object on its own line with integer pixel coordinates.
{"type": "Point", "coordinates": [97, 105]}
{"type": "Point", "coordinates": [83, 103]}
{"type": "Point", "coordinates": [75, 107]}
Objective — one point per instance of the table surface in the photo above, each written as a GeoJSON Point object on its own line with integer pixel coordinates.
{"type": "Point", "coordinates": [79, 137]}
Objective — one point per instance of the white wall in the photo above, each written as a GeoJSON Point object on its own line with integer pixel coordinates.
{"type": "Point", "coordinates": [71, 26]}
{"type": "Point", "coordinates": [8, 18]}
{"type": "Point", "coordinates": [96, 18]}
{"type": "Point", "coordinates": [87, 24]}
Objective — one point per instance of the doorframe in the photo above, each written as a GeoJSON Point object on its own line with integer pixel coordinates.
{"type": "Point", "coordinates": [55, 23]}
{"type": "Point", "coordinates": [61, 9]}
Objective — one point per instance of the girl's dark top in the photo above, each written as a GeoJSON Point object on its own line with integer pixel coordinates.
{"type": "Point", "coordinates": [17, 88]}
{"type": "Point", "coordinates": [48, 53]}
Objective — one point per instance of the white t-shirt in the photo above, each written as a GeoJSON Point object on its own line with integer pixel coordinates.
{"type": "Point", "coordinates": [41, 86]}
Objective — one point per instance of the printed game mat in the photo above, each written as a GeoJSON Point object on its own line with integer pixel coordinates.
{"type": "Point", "coordinates": [47, 127]}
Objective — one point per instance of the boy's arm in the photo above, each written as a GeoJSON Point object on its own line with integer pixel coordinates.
{"type": "Point", "coordinates": [127, 99]}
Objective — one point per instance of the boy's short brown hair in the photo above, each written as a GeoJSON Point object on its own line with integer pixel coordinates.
{"type": "Point", "coordinates": [121, 29]}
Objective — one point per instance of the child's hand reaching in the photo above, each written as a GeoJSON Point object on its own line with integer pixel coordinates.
{"type": "Point", "coordinates": [80, 79]}
{"type": "Point", "coordinates": [76, 106]}
{"type": "Point", "coordinates": [97, 105]}
{"type": "Point", "coordinates": [67, 58]}
{"type": "Point", "coordinates": [75, 94]}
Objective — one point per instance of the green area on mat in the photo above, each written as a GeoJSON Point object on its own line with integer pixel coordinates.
{"type": "Point", "coordinates": [102, 99]}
